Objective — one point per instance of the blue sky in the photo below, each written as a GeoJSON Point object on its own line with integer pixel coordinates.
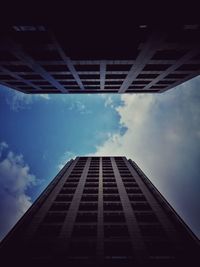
{"type": "Point", "coordinates": [161, 133]}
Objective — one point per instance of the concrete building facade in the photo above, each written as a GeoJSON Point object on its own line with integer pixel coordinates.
{"type": "Point", "coordinates": [100, 211]}
{"type": "Point", "coordinates": [139, 58]}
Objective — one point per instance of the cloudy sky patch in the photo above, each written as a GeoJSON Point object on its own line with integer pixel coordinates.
{"type": "Point", "coordinates": [160, 132]}
{"type": "Point", "coordinates": [15, 178]}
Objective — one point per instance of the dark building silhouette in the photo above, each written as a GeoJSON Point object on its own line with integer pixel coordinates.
{"type": "Point", "coordinates": [73, 57]}
{"type": "Point", "coordinates": [100, 211]}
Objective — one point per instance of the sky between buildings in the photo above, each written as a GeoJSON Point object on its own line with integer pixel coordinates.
{"type": "Point", "coordinates": [160, 132]}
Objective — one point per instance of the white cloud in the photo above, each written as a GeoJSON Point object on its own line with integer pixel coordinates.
{"type": "Point", "coordinates": [162, 136]}
{"type": "Point", "coordinates": [15, 179]}
{"type": "Point", "coordinates": [154, 122]}
{"type": "Point", "coordinates": [19, 101]}
{"type": "Point", "coordinates": [78, 106]}
{"type": "Point", "coordinates": [133, 115]}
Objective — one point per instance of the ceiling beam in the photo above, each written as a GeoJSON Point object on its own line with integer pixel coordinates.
{"type": "Point", "coordinates": [102, 74]}
{"type": "Point", "coordinates": [11, 86]}
{"type": "Point", "coordinates": [149, 49]}
{"type": "Point", "coordinates": [19, 78]}
{"type": "Point", "coordinates": [172, 68]}
{"type": "Point", "coordinates": [18, 52]}
{"type": "Point", "coordinates": [67, 61]}
{"type": "Point", "coordinates": [192, 75]}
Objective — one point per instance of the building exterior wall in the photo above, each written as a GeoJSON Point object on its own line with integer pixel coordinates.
{"type": "Point", "coordinates": [100, 211]}
{"type": "Point", "coordinates": [141, 59]}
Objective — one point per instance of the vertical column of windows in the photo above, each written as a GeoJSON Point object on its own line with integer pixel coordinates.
{"type": "Point", "coordinates": [49, 217]}
{"type": "Point", "coordinates": [116, 235]}
{"type": "Point", "coordinates": [68, 245]}
{"type": "Point", "coordinates": [100, 234]}
{"type": "Point", "coordinates": [47, 223]}
{"type": "Point", "coordinates": [84, 236]}
{"type": "Point", "coordinates": [125, 180]}
{"type": "Point", "coordinates": [56, 215]}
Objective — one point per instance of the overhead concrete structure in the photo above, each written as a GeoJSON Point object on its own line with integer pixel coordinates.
{"type": "Point", "coordinates": [144, 58]}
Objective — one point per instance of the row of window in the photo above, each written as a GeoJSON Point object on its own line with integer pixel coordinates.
{"type": "Point", "coordinates": [110, 231]}
{"type": "Point", "coordinates": [90, 217]}
{"type": "Point", "coordinates": [88, 248]}
{"type": "Point", "coordinates": [93, 182]}
{"type": "Point", "coordinates": [92, 195]}
{"type": "Point", "coordinates": [131, 187]}
{"type": "Point", "coordinates": [106, 178]}
{"type": "Point", "coordinates": [105, 170]}
{"type": "Point", "coordinates": [89, 206]}
{"type": "Point", "coordinates": [119, 248]}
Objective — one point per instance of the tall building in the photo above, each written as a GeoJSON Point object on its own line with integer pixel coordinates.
{"type": "Point", "coordinates": [125, 58]}
{"type": "Point", "coordinates": [100, 211]}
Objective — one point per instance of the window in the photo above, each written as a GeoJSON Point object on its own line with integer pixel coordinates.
{"type": "Point", "coordinates": [133, 190]}
{"type": "Point", "coordinates": [110, 180]}
{"type": "Point", "coordinates": [55, 217]}
{"type": "Point", "coordinates": [105, 184]}
{"type": "Point", "coordinates": [95, 176]}
{"type": "Point", "coordinates": [88, 206]}
{"type": "Point", "coordinates": [112, 231]}
{"type": "Point", "coordinates": [110, 190]}
{"type": "Point", "coordinates": [90, 197]}
{"type": "Point", "coordinates": [126, 175]}
{"type": "Point", "coordinates": [86, 217]}
{"type": "Point", "coordinates": [176, 76]}
{"type": "Point", "coordinates": [63, 198]}
{"type": "Point", "coordinates": [112, 206]}
{"type": "Point", "coordinates": [115, 248]}
{"type": "Point", "coordinates": [147, 76]}
{"type": "Point", "coordinates": [111, 197]}
{"type": "Point", "coordinates": [90, 184]}
{"type": "Point", "coordinates": [109, 168]}
{"type": "Point", "coordinates": [137, 197]}
{"type": "Point", "coordinates": [155, 230]}
{"type": "Point", "coordinates": [82, 248]}
{"type": "Point", "coordinates": [130, 184]}
{"type": "Point", "coordinates": [156, 67]}
{"type": "Point", "coordinates": [59, 206]}
{"type": "Point", "coordinates": [72, 180]}
{"type": "Point", "coordinates": [90, 191]}
{"type": "Point", "coordinates": [76, 172]}
{"type": "Point", "coordinates": [108, 175]}
{"type": "Point", "coordinates": [67, 190]}
{"type": "Point", "coordinates": [141, 206]}
{"type": "Point", "coordinates": [146, 217]}
{"type": "Point", "coordinates": [48, 230]}
{"type": "Point", "coordinates": [160, 248]}
{"type": "Point", "coordinates": [128, 179]}
{"type": "Point", "coordinates": [76, 176]}
{"type": "Point", "coordinates": [84, 231]}
{"type": "Point", "coordinates": [118, 67]}
{"type": "Point", "coordinates": [189, 67]}
{"type": "Point", "coordinates": [114, 217]}
{"type": "Point", "coordinates": [123, 168]}
{"type": "Point", "coordinates": [71, 184]}
{"type": "Point", "coordinates": [91, 179]}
